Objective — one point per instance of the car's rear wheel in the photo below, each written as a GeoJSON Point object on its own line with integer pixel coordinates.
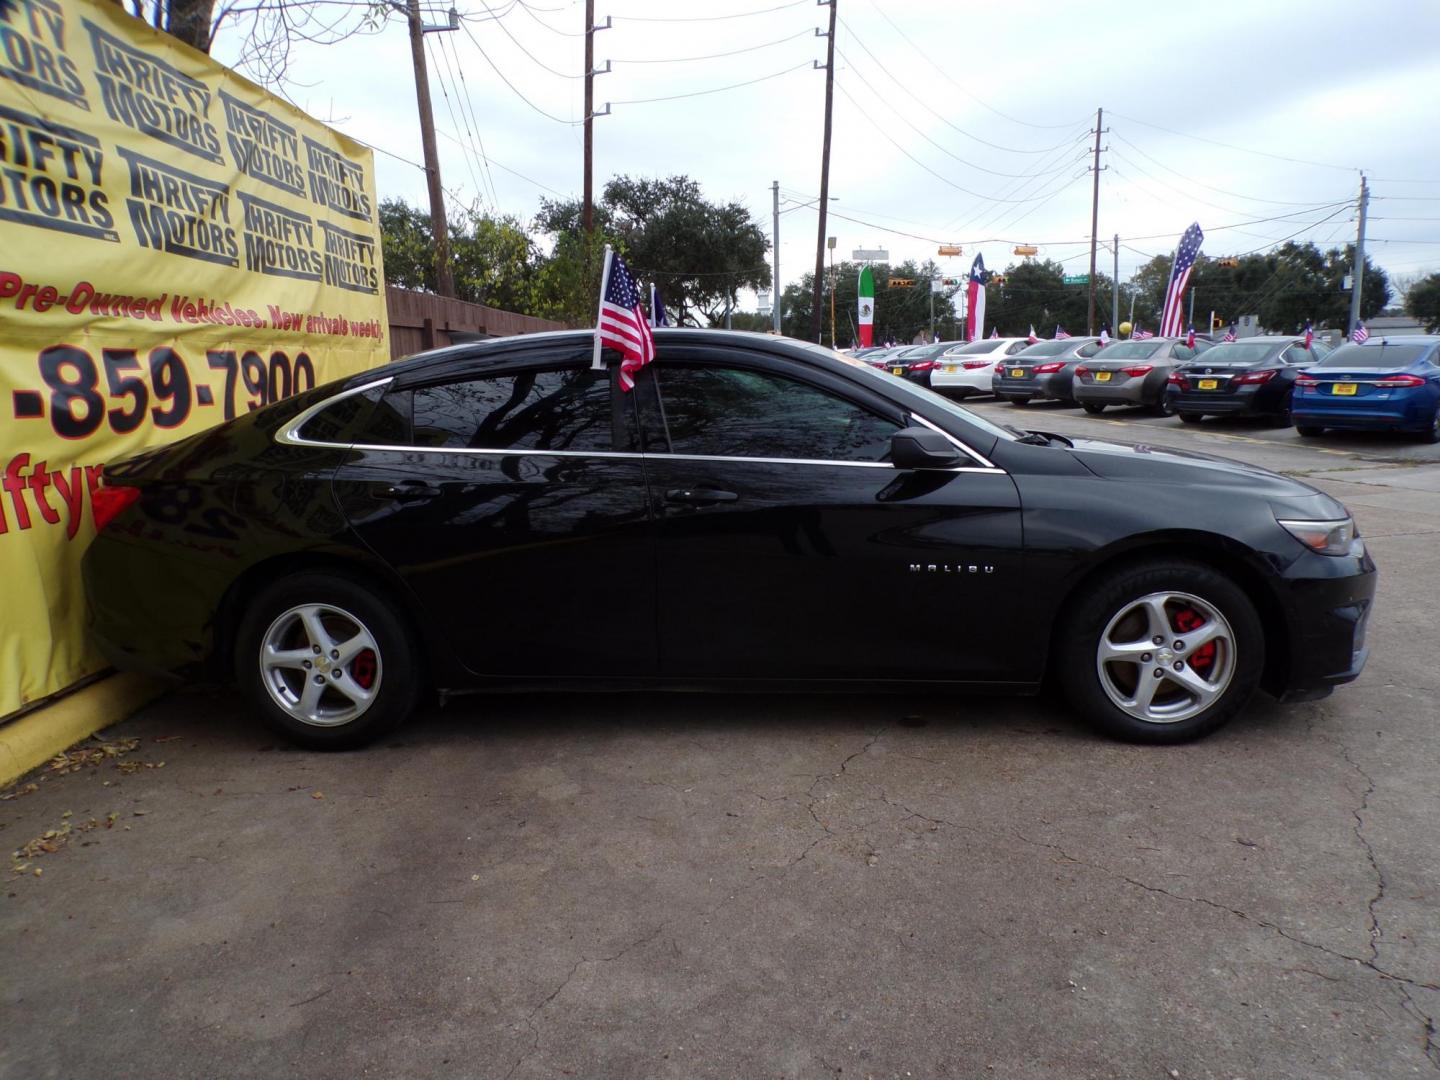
{"type": "Point", "coordinates": [1019, 401]}
{"type": "Point", "coordinates": [1192, 417]}
{"type": "Point", "coordinates": [1164, 407]}
{"type": "Point", "coordinates": [1309, 431]}
{"type": "Point", "coordinates": [1282, 417]}
{"type": "Point", "coordinates": [1433, 434]}
{"type": "Point", "coordinates": [1092, 408]}
{"type": "Point", "coordinates": [326, 662]}
{"type": "Point", "coordinates": [1162, 652]}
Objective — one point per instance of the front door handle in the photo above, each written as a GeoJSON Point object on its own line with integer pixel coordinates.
{"type": "Point", "coordinates": [407, 490]}
{"type": "Point", "coordinates": [700, 496]}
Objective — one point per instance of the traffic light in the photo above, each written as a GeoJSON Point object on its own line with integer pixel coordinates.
{"type": "Point", "coordinates": [1231, 263]}
{"type": "Point", "coordinates": [900, 283]}
{"type": "Point", "coordinates": [1216, 323]}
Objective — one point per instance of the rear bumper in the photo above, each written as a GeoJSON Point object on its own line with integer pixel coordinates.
{"type": "Point", "coordinates": [1361, 419]}
{"type": "Point", "coordinates": [1053, 386]}
{"type": "Point", "coordinates": [1129, 392]}
{"type": "Point", "coordinates": [1245, 402]}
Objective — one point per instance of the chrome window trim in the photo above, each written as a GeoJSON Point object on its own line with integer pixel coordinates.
{"type": "Point", "coordinates": [287, 434]}
{"type": "Point", "coordinates": [988, 466]}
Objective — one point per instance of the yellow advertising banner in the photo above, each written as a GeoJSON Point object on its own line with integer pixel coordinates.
{"type": "Point", "coordinates": [177, 246]}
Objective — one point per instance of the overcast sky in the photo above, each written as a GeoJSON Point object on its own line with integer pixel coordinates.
{"type": "Point", "coordinates": [970, 124]}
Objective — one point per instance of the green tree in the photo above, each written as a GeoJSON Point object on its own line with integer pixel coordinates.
{"type": "Point", "coordinates": [699, 254]}
{"type": "Point", "coordinates": [1423, 302]}
{"type": "Point", "coordinates": [902, 312]}
{"type": "Point", "coordinates": [493, 260]}
{"type": "Point", "coordinates": [1034, 293]}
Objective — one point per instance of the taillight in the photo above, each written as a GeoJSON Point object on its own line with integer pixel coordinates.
{"type": "Point", "coordinates": [925, 365]}
{"type": "Point", "coordinates": [975, 365]}
{"type": "Point", "coordinates": [1256, 376]}
{"type": "Point", "coordinates": [1306, 380]}
{"type": "Point", "coordinates": [107, 502]}
{"type": "Point", "coordinates": [1138, 370]}
{"type": "Point", "coordinates": [1177, 379]}
{"type": "Point", "coordinates": [1082, 370]}
{"type": "Point", "coordinates": [1400, 380]}
{"type": "Point", "coordinates": [1049, 369]}
{"type": "Point", "coordinates": [1000, 366]}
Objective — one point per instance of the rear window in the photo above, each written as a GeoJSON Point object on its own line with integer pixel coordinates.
{"type": "Point", "coordinates": [973, 348]}
{"type": "Point", "coordinates": [1375, 356]}
{"type": "Point", "coordinates": [1244, 352]}
{"type": "Point", "coordinates": [1046, 348]}
{"type": "Point", "coordinates": [1129, 350]}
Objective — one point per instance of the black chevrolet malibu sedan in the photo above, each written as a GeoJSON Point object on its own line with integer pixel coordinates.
{"type": "Point", "coordinates": [501, 515]}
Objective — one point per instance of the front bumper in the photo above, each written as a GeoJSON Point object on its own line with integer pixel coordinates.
{"type": "Point", "coordinates": [1328, 603]}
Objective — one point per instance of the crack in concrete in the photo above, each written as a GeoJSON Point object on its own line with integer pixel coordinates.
{"type": "Point", "coordinates": [530, 1018]}
{"type": "Point", "coordinates": [1376, 933]}
{"type": "Point", "coordinates": [1427, 1023]}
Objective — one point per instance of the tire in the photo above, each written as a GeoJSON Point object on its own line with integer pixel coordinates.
{"type": "Point", "coordinates": [284, 621]}
{"type": "Point", "coordinates": [1309, 431]}
{"type": "Point", "coordinates": [1191, 417]}
{"type": "Point", "coordinates": [1282, 418]}
{"type": "Point", "coordinates": [1433, 434]}
{"type": "Point", "coordinates": [1121, 610]}
{"type": "Point", "coordinates": [1164, 407]}
{"type": "Point", "coordinates": [1019, 401]}
{"type": "Point", "coordinates": [1092, 408]}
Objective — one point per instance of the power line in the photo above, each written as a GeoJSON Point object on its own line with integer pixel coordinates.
{"type": "Point", "coordinates": [469, 101]}
{"type": "Point", "coordinates": [713, 56]}
{"type": "Point", "coordinates": [709, 18]}
{"type": "Point", "coordinates": [1201, 183]}
{"type": "Point", "coordinates": [1232, 146]}
{"type": "Point", "coordinates": [507, 82]}
{"type": "Point", "coordinates": [553, 29]}
{"type": "Point", "coordinates": [541, 63]}
{"type": "Point", "coordinates": [963, 89]}
{"type": "Point", "coordinates": [469, 156]}
{"type": "Point", "coordinates": [714, 90]}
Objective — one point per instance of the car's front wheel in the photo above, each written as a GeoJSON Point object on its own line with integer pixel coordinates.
{"type": "Point", "coordinates": [326, 662]}
{"type": "Point", "coordinates": [1309, 431]}
{"type": "Point", "coordinates": [1162, 652]}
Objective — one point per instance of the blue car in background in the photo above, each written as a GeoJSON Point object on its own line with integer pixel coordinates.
{"type": "Point", "coordinates": [1382, 385]}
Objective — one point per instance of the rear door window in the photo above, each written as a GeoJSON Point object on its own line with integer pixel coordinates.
{"type": "Point", "coordinates": [559, 409]}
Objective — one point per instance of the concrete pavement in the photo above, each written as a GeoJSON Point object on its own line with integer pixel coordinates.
{"type": "Point", "coordinates": [746, 886]}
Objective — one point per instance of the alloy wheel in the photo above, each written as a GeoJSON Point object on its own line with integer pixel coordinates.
{"type": "Point", "coordinates": [1166, 657]}
{"type": "Point", "coordinates": [320, 664]}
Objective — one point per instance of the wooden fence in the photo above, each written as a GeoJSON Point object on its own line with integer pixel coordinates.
{"type": "Point", "coordinates": [424, 321]}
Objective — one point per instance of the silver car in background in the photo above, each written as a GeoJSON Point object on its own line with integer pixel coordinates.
{"type": "Point", "coordinates": [1132, 373]}
{"type": "Point", "coordinates": [1043, 371]}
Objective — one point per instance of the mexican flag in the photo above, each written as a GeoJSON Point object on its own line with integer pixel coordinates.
{"type": "Point", "coordinates": [867, 306]}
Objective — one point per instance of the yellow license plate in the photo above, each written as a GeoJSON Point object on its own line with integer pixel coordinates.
{"type": "Point", "coordinates": [1017, 373]}
{"type": "Point", "coordinates": [897, 371]}
{"type": "Point", "coordinates": [950, 369]}
{"type": "Point", "coordinates": [1209, 384]}
{"type": "Point", "coordinates": [1102, 376]}
{"type": "Point", "coordinates": [1344, 389]}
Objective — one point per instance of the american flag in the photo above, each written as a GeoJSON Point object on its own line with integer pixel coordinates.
{"type": "Point", "coordinates": [1230, 333]}
{"type": "Point", "coordinates": [1361, 335]}
{"type": "Point", "coordinates": [1309, 333]}
{"type": "Point", "coordinates": [1141, 335]}
{"type": "Point", "coordinates": [622, 320]}
{"type": "Point", "coordinates": [1185, 256]}
{"type": "Point", "coordinates": [994, 333]}
{"type": "Point", "coordinates": [1060, 334]}
{"type": "Point", "coordinates": [1104, 335]}
{"type": "Point", "coordinates": [1032, 339]}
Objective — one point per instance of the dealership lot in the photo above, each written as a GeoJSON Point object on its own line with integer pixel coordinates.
{"type": "Point", "coordinates": [661, 885]}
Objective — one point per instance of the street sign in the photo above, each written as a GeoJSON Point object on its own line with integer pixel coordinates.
{"type": "Point", "coordinates": [870, 255]}
{"type": "Point", "coordinates": [1077, 279]}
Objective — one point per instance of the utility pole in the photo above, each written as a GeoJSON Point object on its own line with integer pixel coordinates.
{"type": "Point", "coordinates": [824, 165]}
{"type": "Point", "coordinates": [775, 243]}
{"type": "Point", "coordinates": [1115, 293]}
{"type": "Point", "coordinates": [1095, 219]}
{"type": "Point", "coordinates": [1357, 271]}
{"type": "Point", "coordinates": [439, 228]}
{"type": "Point", "coordinates": [587, 206]}
{"type": "Point", "coordinates": [1193, 291]}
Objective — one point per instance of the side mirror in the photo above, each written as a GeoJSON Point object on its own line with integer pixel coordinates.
{"type": "Point", "coordinates": [921, 448]}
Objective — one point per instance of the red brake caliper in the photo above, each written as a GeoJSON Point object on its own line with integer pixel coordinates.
{"type": "Point", "coordinates": [362, 668]}
{"type": "Point", "coordinates": [1203, 658]}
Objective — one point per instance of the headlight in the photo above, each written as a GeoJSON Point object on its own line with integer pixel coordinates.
{"type": "Point", "coordinates": [1327, 537]}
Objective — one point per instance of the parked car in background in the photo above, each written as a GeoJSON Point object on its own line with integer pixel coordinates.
{"type": "Point", "coordinates": [877, 355]}
{"type": "Point", "coordinates": [483, 516]}
{"type": "Point", "coordinates": [1254, 377]}
{"type": "Point", "coordinates": [918, 362]}
{"type": "Point", "coordinates": [1043, 371]}
{"type": "Point", "coordinates": [965, 369]}
{"type": "Point", "coordinates": [1386, 385]}
{"type": "Point", "coordinates": [1132, 373]}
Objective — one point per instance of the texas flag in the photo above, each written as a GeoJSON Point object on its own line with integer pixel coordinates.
{"type": "Point", "coordinates": [975, 300]}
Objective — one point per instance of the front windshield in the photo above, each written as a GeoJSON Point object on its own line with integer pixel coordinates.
{"type": "Point", "coordinates": [1046, 348]}
{"type": "Point", "coordinates": [1130, 350]}
{"type": "Point", "coordinates": [1374, 356]}
{"type": "Point", "coordinates": [911, 395]}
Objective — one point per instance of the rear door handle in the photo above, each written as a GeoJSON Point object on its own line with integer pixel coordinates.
{"type": "Point", "coordinates": [699, 496]}
{"type": "Point", "coordinates": [406, 490]}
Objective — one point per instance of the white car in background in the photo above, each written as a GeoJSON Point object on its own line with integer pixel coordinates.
{"type": "Point", "coordinates": [966, 369]}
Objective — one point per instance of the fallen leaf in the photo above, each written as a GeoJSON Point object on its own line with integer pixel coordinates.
{"type": "Point", "coordinates": [317, 794]}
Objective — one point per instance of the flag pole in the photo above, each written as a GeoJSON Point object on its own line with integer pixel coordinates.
{"type": "Point", "coordinates": [596, 364]}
